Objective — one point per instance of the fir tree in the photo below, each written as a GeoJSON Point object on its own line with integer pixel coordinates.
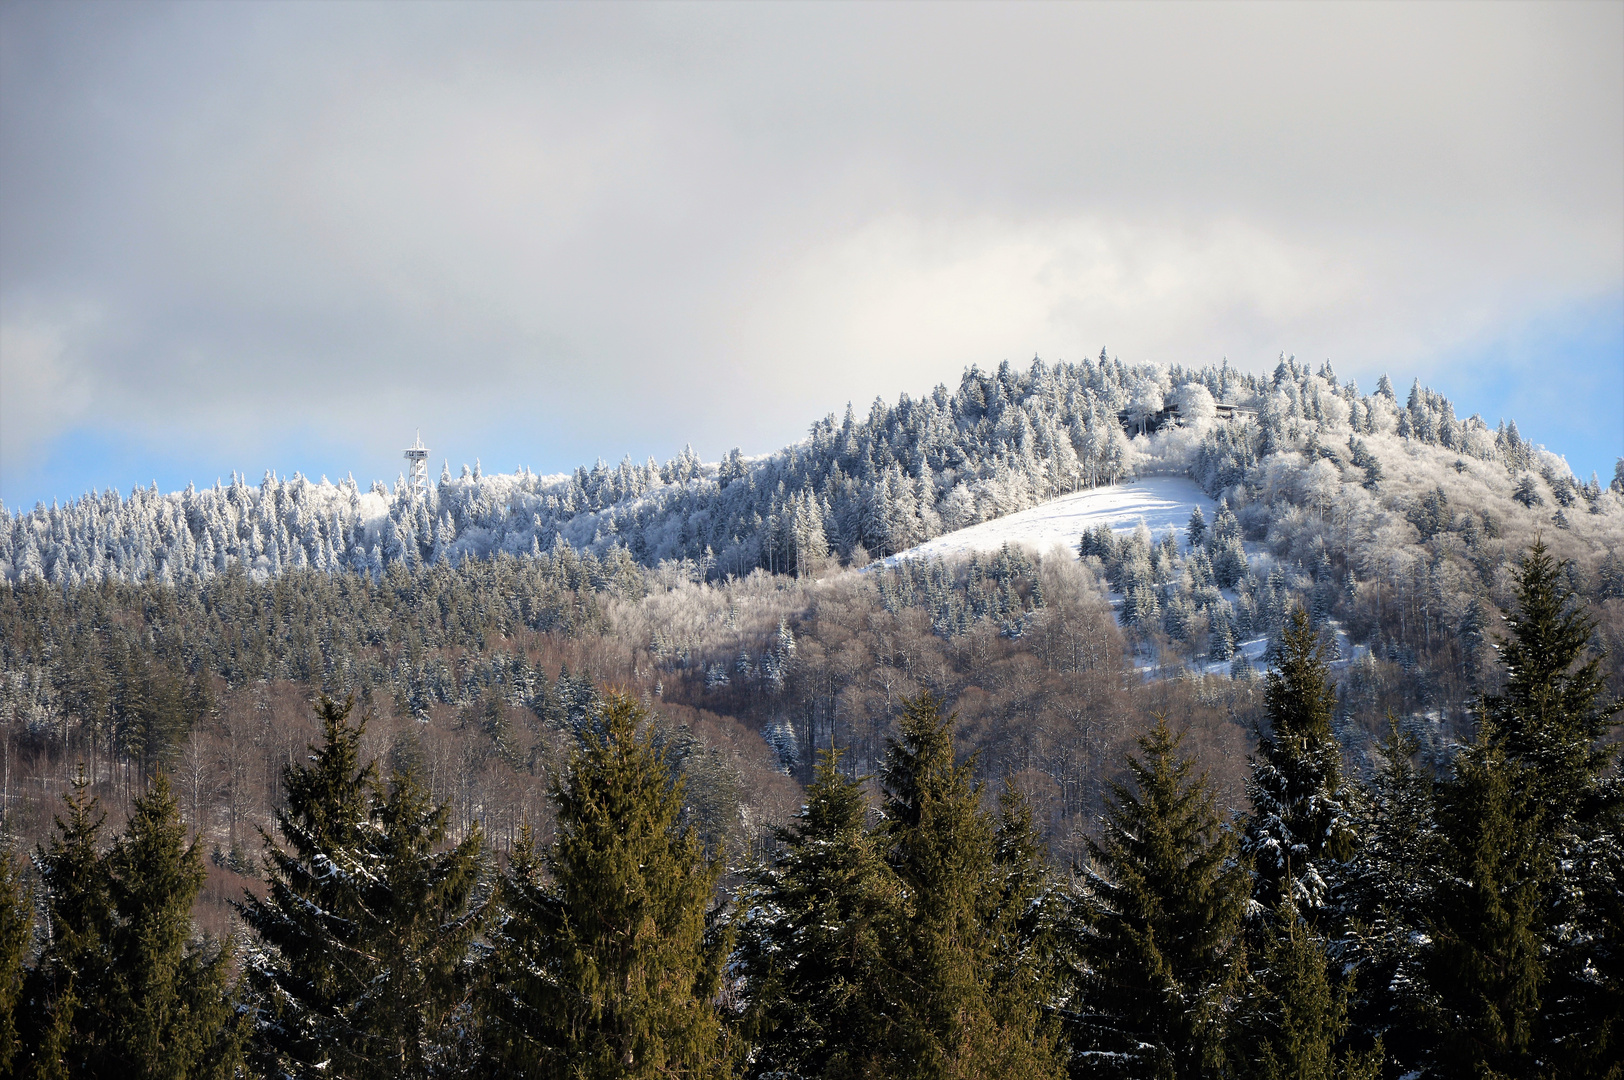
{"type": "Point", "coordinates": [68, 993]}
{"type": "Point", "coordinates": [969, 1003]}
{"type": "Point", "coordinates": [1299, 832]}
{"type": "Point", "coordinates": [612, 960]}
{"type": "Point", "coordinates": [311, 971]}
{"type": "Point", "coordinates": [814, 942]}
{"type": "Point", "coordinates": [1483, 959]}
{"type": "Point", "coordinates": [424, 905]}
{"type": "Point", "coordinates": [1388, 893]}
{"type": "Point", "coordinates": [16, 939]}
{"type": "Point", "coordinates": [512, 1028]}
{"type": "Point", "coordinates": [1197, 532]}
{"type": "Point", "coordinates": [122, 988]}
{"type": "Point", "coordinates": [173, 1001]}
{"type": "Point", "coordinates": [1295, 1016]}
{"type": "Point", "coordinates": [367, 923]}
{"type": "Point", "coordinates": [1158, 925]}
{"type": "Point", "coordinates": [1551, 722]}
{"type": "Point", "coordinates": [1553, 715]}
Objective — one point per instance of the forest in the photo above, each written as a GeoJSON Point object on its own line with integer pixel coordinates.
{"type": "Point", "coordinates": [1461, 922]}
{"type": "Point", "coordinates": [652, 771]}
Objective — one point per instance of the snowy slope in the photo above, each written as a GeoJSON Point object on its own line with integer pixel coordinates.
{"type": "Point", "coordinates": [1163, 502]}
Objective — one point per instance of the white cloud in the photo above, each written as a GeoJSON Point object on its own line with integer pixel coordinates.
{"type": "Point", "coordinates": [611, 225]}
{"type": "Point", "coordinates": [43, 386]}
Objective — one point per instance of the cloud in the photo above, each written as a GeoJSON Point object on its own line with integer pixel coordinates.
{"type": "Point", "coordinates": [549, 232]}
{"type": "Point", "coordinates": [44, 386]}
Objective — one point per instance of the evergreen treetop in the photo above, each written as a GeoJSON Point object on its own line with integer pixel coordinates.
{"type": "Point", "coordinates": [966, 1002]}
{"type": "Point", "coordinates": [814, 940]}
{"type": "Point", "coordinates": [1160, 915]}
{"type": "Point", "coordinates": [1300, 828]}
{"type": "Point", "coordinates": [626, 964]}
{"type": "Point", "coordinates": [1553, 713]}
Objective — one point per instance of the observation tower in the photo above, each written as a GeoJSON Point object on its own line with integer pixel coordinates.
{"type": "Point", "coordinates": [418, 475]}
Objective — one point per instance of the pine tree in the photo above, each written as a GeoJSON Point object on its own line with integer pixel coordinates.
{"type": "Point", "coordinates": [968, 1002]}
{"type": "Point", "coordinates": [1300, 832]}
{"type": "Point", "coordinates": [16, 938]}
{"type": "Point", "coordinates": [1483, 960]}
{"type": "Point", "coordinates": [311, 970]}
{"type": "Point", "coordinates": [424, 905]}
{"type": "Point", "coordinates": [612, 960]}
{"type": "Point", "coordinates": [1552, 723]}
{"type": "Point", "coordinates": [1158, 925]}
{"type": "Point", "coordinates": [367, 924]}
{"type": "Point", "coordinates": [68, 992]}
{"type": "Point", "coordinates": [813, 942]}
{"type": "Point", "coordinates": [173, 1001]}
{"type": "Point", "coordinates": [1295, 1017]}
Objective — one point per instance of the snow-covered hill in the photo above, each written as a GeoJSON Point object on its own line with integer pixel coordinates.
{"type": "Point", "coordinates": [1161, 502]}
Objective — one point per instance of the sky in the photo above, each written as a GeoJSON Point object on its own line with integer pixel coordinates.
{"type": "Point", "coordinates": [290, 236]}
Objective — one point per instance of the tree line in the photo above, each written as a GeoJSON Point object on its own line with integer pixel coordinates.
{"type": "Point", "coordinates": [1454, 921]}
{"type": "Point", "coordinates": [856, 487]}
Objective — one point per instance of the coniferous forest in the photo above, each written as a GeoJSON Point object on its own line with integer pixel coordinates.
{"type": "Point", "coordinates": [650, 771]}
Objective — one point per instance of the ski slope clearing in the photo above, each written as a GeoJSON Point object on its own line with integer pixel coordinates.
{"type": "Point", "coordinates": [1162, 502]}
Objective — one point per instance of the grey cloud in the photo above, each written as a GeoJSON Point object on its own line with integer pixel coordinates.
{"type": "Point", "coordinates": [713, 222]}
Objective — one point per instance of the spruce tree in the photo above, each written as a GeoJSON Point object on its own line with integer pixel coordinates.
{"type": "Point", "coordinates": [1157, 925]}
{"type": "Point", "coordinates": [424, 906]}
{"type": "Point", "coordinates": [1300, 831]}
{"type": "Point", "coordinates": [1294, 1020]}
{"type": "Point", "coordinates": [969, 995]}
{"type": "Point", "coordinates": [367, 924]}
{"type": "Point", "coordinates": [513, 1031]}
{"type": "Point", "coordinates": [173, 1002]}
{"type": "Point", "coordinates": [1387, 895]}
{"type": "Point", "coordinates": [1554, 713]}
{"type": "Point", "coordinates": [311, 969]}
{"type": "Point", "coordinates": [813, 942]}
{"type": "Point", "coordinates": [1483, 958]}
{"type": "Point", "coordinates": [1551, 722]}
{"type": "Point", "coordinates": [16, 939]}
{"type": "Point", "coordinates": [68, 993]}
{"type": "Point", "coordinates": [608, 970]}
{"type": "Point", "coordinates": [123, 989]}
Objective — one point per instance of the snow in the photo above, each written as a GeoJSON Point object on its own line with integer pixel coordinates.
{"type": "Point", "coordinates": [1162, 502]}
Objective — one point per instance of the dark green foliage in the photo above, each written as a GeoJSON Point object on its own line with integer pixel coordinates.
{"type": "Point", "coordinates": [968, 1002]}
{"type": "Point", "coordinates": [72, 979]}
{"type": "Point", "coordinates": [423, 908]}
{"type": "Point", "coordinates": [16, 932]}
{"type": "Point", "coordinates": [814, 941]}
{"type": "Point", "coordinates": [306, 978]}
{"type": "Point", "coordinates": [172, 1001]}
{"type": "Point", "coordinates": [367, 922]}
{"type": "Point", "coordinates": [1553, 715]}
{"type": "Point", "coordinates": [1551, 723]}
{"type": "Point", "coordinates": [608, 970]}
{"type": "Point", "coordinates": [1387, 894]}
{"type": "Point", "coordinates": [1300, 832]}
{"type": "Point", "coordinates": [1527, 492]}
{"type": "Point", "coordinates": [1484, 964]}
{"type": "Point", "coordinates": [122, 989]}
{"type": "Point", "coordinates": [1158, 925]}
{"type": "Point", "coordinates": [1295, 1016]}
{"type": "Point", "coordinates": [513, 1029]}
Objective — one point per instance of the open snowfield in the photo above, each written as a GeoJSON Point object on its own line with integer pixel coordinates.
{"type": "Point", "coordinates": [1163, 502]}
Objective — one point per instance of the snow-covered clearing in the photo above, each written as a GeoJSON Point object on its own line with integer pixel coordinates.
{"type": "Point", "coordinates": [1163, 502]}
